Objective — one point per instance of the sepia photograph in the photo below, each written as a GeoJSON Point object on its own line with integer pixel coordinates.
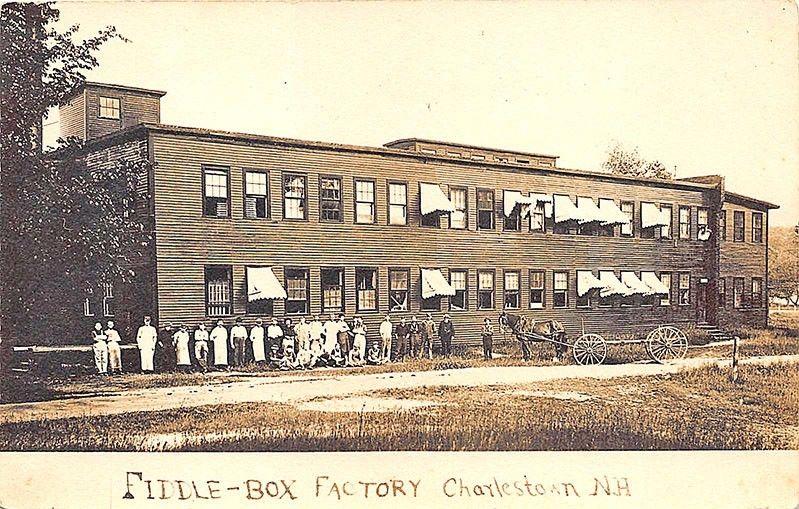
{"type": "Point", "coordinates": [398, 226]}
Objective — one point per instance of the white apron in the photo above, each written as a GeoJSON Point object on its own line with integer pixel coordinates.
{"type": "Point", "coordinates": [219, 339]}
{"type": "Point", "coordinates": [257, 340]}
{"type": "Point", "coordinates": [145, 339]}
{"type": "Point", "coordinates": [182, 348]}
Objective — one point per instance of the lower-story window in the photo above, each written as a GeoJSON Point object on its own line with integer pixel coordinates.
{"type": "Point", "coordinates": [757, 292]}
{"type": "Point", "coordinates": [398, 289]}
{"type": "Point", "coordinates": [512, 290]}
{"type": "Point", "coordinates": [431, 304]}
{"type": "Point", "coordinates": [297, 298]}
{"type": "Point", "coordinates": [536, 289]}
{"type": "Point", "coordinates": [738, 292]}
{"type": "Point", "coordinates": [457, 279]}
{"type": "Point", "coordinates": [665, 278]}
{"type": "Point", "coordinates": [485, 289]}
{"type": "Point", "coordinates": [332, 290]}
{"type": "Point", "coordinates": [685, 290]}
{"type": "Point", "coordinates": [722, 287]}
{"type": "Point", "coordinates": [109, 307]}
{"type": "Point", "coordinates": [366, 285]}
{"type": "Point", "coordinates": [560, 289]}
{"type": "Point", "coordinates": [88, 304]}
{"type": "Point", "coordinates": [219, 290]}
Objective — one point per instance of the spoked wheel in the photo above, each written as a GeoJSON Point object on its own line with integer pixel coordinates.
{"type": "Point", "coordinates": [589, 349]}
{"type": "Point", "coordinates": [666, 343]}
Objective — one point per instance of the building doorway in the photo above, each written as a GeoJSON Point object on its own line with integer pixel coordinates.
{"type": "Point", "coordinates": [704, 313]}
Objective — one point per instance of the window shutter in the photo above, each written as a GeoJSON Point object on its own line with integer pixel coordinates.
{"type": "Point", "coordinates": [249, 206]}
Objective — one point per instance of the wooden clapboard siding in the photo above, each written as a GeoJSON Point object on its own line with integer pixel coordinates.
{"type": "Point", "coordinates": [72, 117]}
{"type": "Point", "coordinates": [187, 241]}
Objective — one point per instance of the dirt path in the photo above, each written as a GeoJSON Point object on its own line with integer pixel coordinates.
{"type": "Point", "coordinates": [300, 389]}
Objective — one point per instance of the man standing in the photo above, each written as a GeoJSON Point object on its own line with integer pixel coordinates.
{"type": "Point", "coordinates": [100, 349]}
{"type": "Point", "coordinates": [428, 331]}
{"type": "Point", "coordinates": [181, 343]}
{"type": "Point", "coordinates": [343, 336]}
{"type": "Point", "coordinates": [165, 349]}
{"type": "Point", "coordinates": [257, 341]}
{"type": "Point", "coordinates": [275, 335]}
{"type": "Point", "coordinates": [331, 335]}
{"type": "Point", "coordinates": [386, 330]}
{"type": "Point", "coordinates": [415, 337]}
{"type": "Point", "coordinates": [238, 340]}
{"type": "Point", "coordinates": [219, 340]}
{"type": "Point", "coordinates": [401, 343]}
{"type": "Point", "coordinates": [316, 330]}
{"type": "Point", "coordinates": [201, 347]}
{"type": "Point", "coordinates": [445, 333]}
{"type": "Point", "coordinates": [303, 330]}
{"type": "Point", "coordinates": [146, 338]}
{"type": "Point", "coordinates": [114, 352]}
{"type": "Point", "coordinates": [488, 339]}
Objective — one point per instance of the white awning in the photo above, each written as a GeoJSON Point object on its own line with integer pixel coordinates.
{"type": "Point", "coordinates": [637, 286]}
{"type": "Point", "coordinates": [586, 282]}
{"type": "Point", "coordinates": [510, 200]}
{"type": "Point", "coordinates": [589, 212]}
{"type": "Point", "coordinates": [262, 284]}
{"type": "Point", "coordinates": [654, 283]}
{"type": "Point", "coordinates": [434, 283]}
{"type": "Point", "coordinates": [433, 200]}
{"type": "Point", "coordinates": [565, 209]}
{"type": "Point", "coordinates": [611, 213]}
{"type": "Point", "coordinates": [513, 199]}
{"type": "Point", "coordinates": [651, 215]}
{"type": "Point", "coordinates": [612, 285]}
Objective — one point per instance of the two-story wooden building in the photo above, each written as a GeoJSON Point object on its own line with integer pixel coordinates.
{"type": "Point", "coordinates": [258, 226]}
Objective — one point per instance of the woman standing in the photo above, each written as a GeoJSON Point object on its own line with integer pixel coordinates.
{"type": "Point", "coordinates": [358, 353]}
{"type": "Point", "coordinates": [257, 340]}
{"type": "Point", "coordinates": [181, 342]}
{"type": "Point", "coordinates": [100, 349]}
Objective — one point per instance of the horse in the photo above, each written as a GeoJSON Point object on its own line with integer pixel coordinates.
{"type": "Point", "coordinates": [521, 324]}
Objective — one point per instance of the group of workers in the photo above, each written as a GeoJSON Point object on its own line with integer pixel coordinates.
{"type": "Point", "coordinates": [287, 345]}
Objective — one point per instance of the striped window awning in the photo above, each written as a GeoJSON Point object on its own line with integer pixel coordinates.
{"type": "Point", "coordinates": [435, 284]}
{"type": "Point", "coordinates": [433, 200]}
{"type": "Point", "coordinates": [262, 284]}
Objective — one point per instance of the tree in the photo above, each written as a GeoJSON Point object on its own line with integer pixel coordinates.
{"type": "Point", "coordinates": [783, 263]}
{"type": "Point", "coordinates": [629, 162]}
{"type": "Point", "coordinates": [62, 225]}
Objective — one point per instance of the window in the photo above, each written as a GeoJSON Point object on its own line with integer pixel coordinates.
{"type": "Point", "coordinates": [366, 286]}
{"type": "Point", "coordinates": [723, 224]}
{"type": "Point", "coordinates": [722, 287]}
{"type": "Point", "coordinates": [583, 301]}
{"type": "Point", "coordinates": [560, 289]}
{"type": "Point", "coordinates": [512, 290]}
{"type": "Point", "coordinates": [215, 199]}
{"type": "Point", "coordinates": [607, 300]}
{"type": "Point", "coordinates": [738, 220]}
{"type": "Point", "coordinates": [538, 218]}
{"type": "Point", "coordinates": [297, 294]}
{"type": "Point", "coordinates": [685, 222]}
{"type": "Point", "coordinates": [88, 305]}
{"type": "Point", "coordinates": [523, 161]}
{"type": "Point", "coordinates": [647, 300]}
{"type": "Point", "coordinates": [256, 195]}
{"type": "Point", "coordinates": [701, 223]}
{"type": "Point", "coordinates": [295, 197]}
{"type": "Point", "coordinates": [513, 222]}
{"type": "Point", "coordinates": [757, 227]}
{"type": "Point", "coordinates": [458, 218]}
{"type": "Point", "coordinates": [738, 292]}
{"type": "Point", "coordinates": [398, 289]}
{"type": "Point", "coordinates": [485, 209]}
{"type": "Point", "coordinates": [108, 300]}
{"type": "Point", "coordinates": [331, 207]}
{"type": "Point", "coordinates": [627, 300]}
{"type": "Point", "coordinates": [364, 201]}
{"type": "Point", "coordinates": [109, 107]}
{"type": "Point", "coordinates": [332, 290]}
{"type": "Point", "coordinates": [485, 289]}
{"type": "Point", "coordinates": [665, 278]}
{"type": "Point", "coordinates": [478, 157]}
{"type": "Point", "coordinates": [219, 291]}
{"type": "Point", "coordinates": [757, 292]}
{"type": "Point", "coordinates": [665, 230]}
{"type": "Point", "coordinates": [457, 279]}
{"type": "Point", "coordinates": [428, 151]}
{"type": "Point", "coordinates": [433, 220]}
{"type": "Point", "coordinates": [536, 289]}
{"type": "Point", "coordinates": [648, 232]}
{"type": "Point", "coordinates": [431, 304]}
{"type": "Point", "coordinates": [605, 230]}
{"type": "Point", "coordinates": [628, 208]}
{"type": "Point", "coordinates": [684, 295]}
{"type": "Point", "coordinates": [397, 203]}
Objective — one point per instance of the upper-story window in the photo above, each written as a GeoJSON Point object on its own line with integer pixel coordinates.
{"type": "Point", "coordinates": [628, 208]}
{"type": "Point", "coordinates": [364, 201]}
{"type": "Point", "coordinates": [538, 218]}
{"type": "Point", "coordinates": [606, 230]}
{"type": "Point", "coordinates": [458, 218]}
{"type": "Point", "coordinates": [485, 209]}
{"type": "Point", "coordinates": [701, 223]}
{"type": "Point", "coordinates": [110, 107]}
{"type": "Point", "coordinates": [757, 227]}
{"type": "Point", "coordinates": [397, 203]}
{"type": "Point", "coordinates": [738, 224]}
{"type": "Point", "coordinates": [330, 200]}
{"type": "Point", "coordinates": [215, 191]}
{"type": "Point", "coordinates": [513, 222]}
{"type": "Point", "coordinates": [256, 194]}
{"type": "Point", "coordinates": [295, 201]}
{"type": "Point", "coordinates": [723, 224]}
{"type": "Point", "coordinates": [665, 230]}
{"type": "Point", "coordinates": [685, 222]}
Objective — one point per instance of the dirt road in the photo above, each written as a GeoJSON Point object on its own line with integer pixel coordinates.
{"type": "Point", "coordinates": [298, 390]}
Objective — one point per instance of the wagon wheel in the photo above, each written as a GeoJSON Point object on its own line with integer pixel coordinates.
{"type": "Point", "coordinates": [666, 343]}
{"type": "Point", "coordinates": [589, 349]}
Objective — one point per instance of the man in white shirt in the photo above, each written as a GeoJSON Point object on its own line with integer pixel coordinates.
{"type": "Point", "coordinates": [303, 330]}
{"type": "Point", "coordinates": [317, 329]}
{"type": "Point", "coordinates": [275, 334]}
{"type": "Point", "coordinates": [386, 331]}
{"type": "Point", "coordinates": [201, 347]}
{"type": "Point", "coordinates": [114, 352]}
{"type": "Point", "coordinates": [146, 338]}
{"type": "Point", "coordinates": [257, 340]}
{"type": "Point", "coordinates": [332, 328]}
{"type": "Point", "coordinates": [219, 340]}
{"type": "Point", "coordinates": [238, 341]}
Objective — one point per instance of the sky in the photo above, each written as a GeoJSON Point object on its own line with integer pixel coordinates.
{"type": "Point", "coordinates": [706, 87]}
